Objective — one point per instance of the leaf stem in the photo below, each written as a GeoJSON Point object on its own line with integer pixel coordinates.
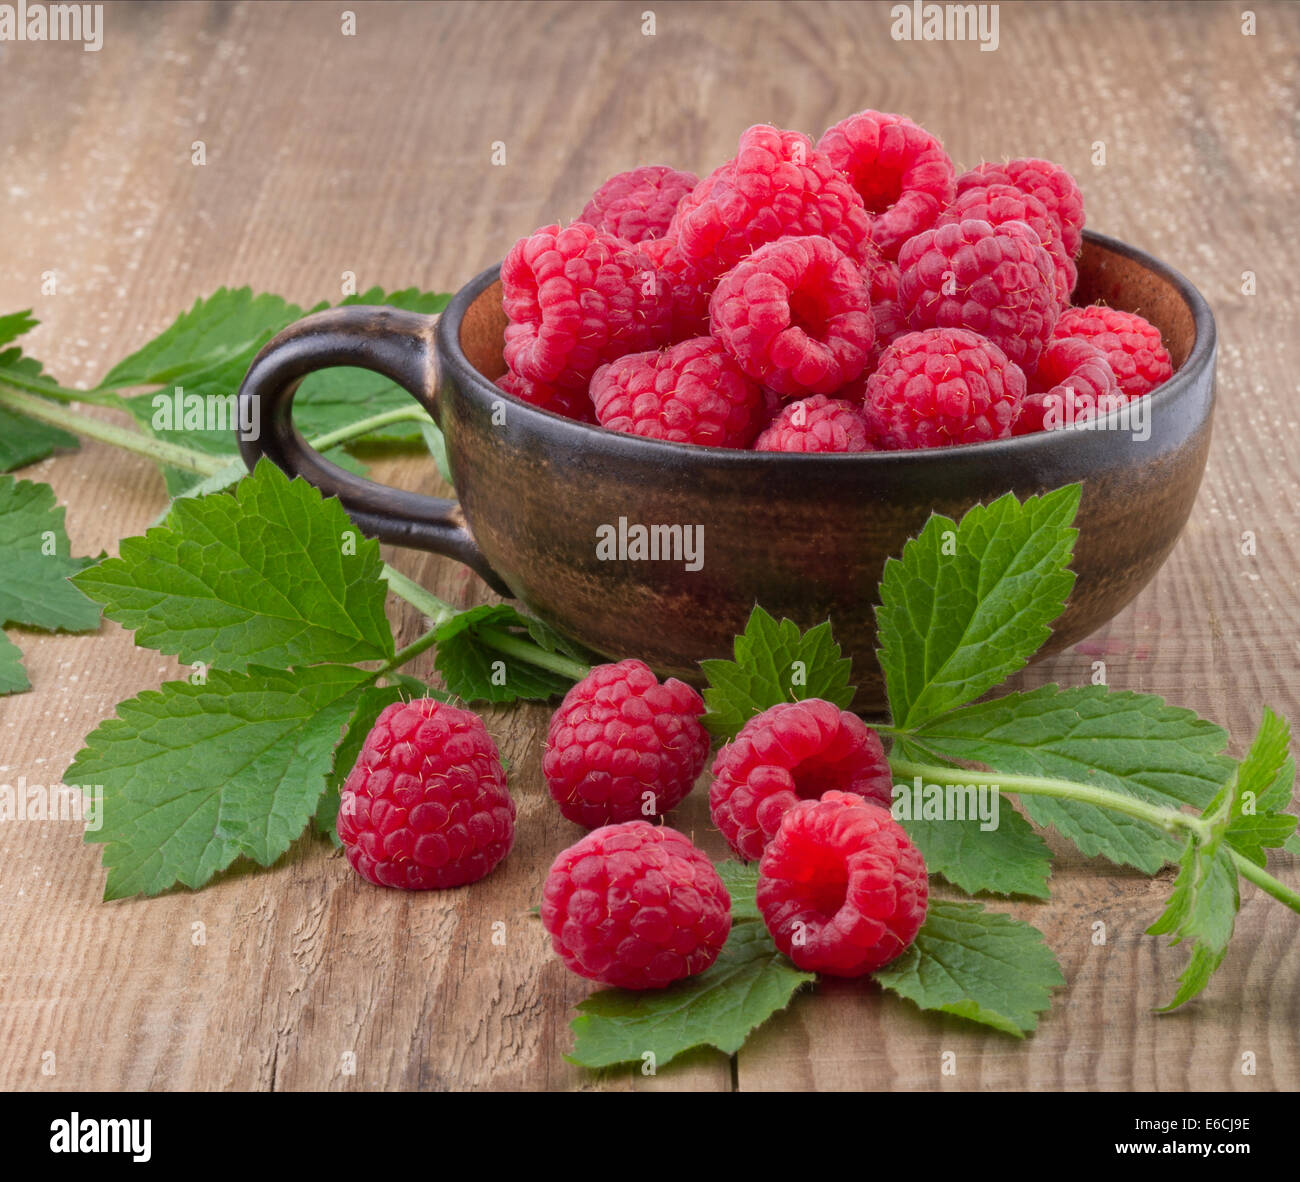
{"type": "Point", "coordinates": [438, 611]}
{"type": "Point", "coordinates": [534, 654]}
{"type": "Point", "coordinates": [52, 390]}
{"type": "Point", "coordinates": [1266, 882]}
{"type": "Point", "coordinates": [411, 651]}
{"type": "Point", "coordinates": [365, 426]}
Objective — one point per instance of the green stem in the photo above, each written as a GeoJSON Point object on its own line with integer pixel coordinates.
{"type": "Point", "coordinates": [425, 601]}
{"type": "Point", "coordinates": [1266, 882]}
{"type": "Point", "coordinates": [52, 390]}
{"type": "Point", "coordinates": [525, 650]}
{"type": "Point", "coordinates": [365, 426]}
{"type": "Point", "coordinates": [412, 650]}
{"type": "Point", "coordinates": [133, 441]}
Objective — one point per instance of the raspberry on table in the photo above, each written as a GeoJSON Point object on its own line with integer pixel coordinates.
{"type": "Point", "coordinates": [817, 424]}
{"type": "Point", "coordinates": [1131, 343]}
{"type": "Point", "coordinates": [841, 887]}
{"type": "Point", "coordinates": [1073, 383]}
{"type": "Point", "coordinates": [637, 206]}
{"type": "Point", "coordinates": [575, 298]}
{"type": "Point", "coordinates": [621, 746]}
{"type": "Point", "coordinates": [572, 404]}
{"type": "Point", "coordinates": [1049, 182]}
{"type": "Point", "coordinates": [899, 169]}
{"type": "Point", "coordinates": [796, 316]}
{"type": "Point", "coordinates": [425, 805]}
{"type": "Point", "coordinates": [997, 204]}
{"type": "Point", "coordinates": [941, 387]}
{"type": "Point", "coordinates": [636, 906]}
{"type": "Point", "coordinates": [793, 751]}
{"type": "Point", "coordinates": [692, 392]}
{"type": "Point", "coordinates": [777, 184]}
{"type": "Point", "coordinates": [997, 281]}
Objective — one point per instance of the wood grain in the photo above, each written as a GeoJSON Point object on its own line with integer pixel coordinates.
{"type": "Point", "coordinates": [372, 154]}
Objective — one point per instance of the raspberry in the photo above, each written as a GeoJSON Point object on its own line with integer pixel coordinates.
{"type": "Point", "coordinates": [841, 887]}
{"type": "Point", "coordinates": [940, 387]}
{"type": "Point", "coordinates": [572, 404]}
{"type": "Point", "coordinates": [791, 752]}
{"type": "Point", "coordinates": [693, 392]}
{"type": "Point", "coordinates": [636, 906]}
{"type": "Point", "coordinates": [778, 184]}
{"type": "Point", "coordinates": [816, 424]}
{"type": "Point", "coordinates": [576, 298]}
{"type": "Point", "coordinates": [899, 169]}
{"type": "Point", "coordinates": [638, 205]}
{"type": "Point", "coordinates": [1073, 382]}
{"type": "Point", "coordinates": [1049, 182]}
{"type": "Point", "coordinates": [998, 282]}
{"type": "Point", "coordinates": [997, 204]}
{"type": "Point", "coordinates": [618, 737]}
{"type": "Point", "coordinates": [796, 316]}
{"type": "Point", "coordinates": [1132, 345]}
{"type": "Point", "coordinates": [426, 805]}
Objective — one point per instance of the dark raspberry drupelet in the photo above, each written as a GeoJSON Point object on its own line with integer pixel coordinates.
{"type": "Point", "coordinates": [572, 404]}
{"type": "Point", "coordinates": [622, 747]}
{"type": "Point", "coordinates": [996, 281]}
{"type": "Point", "coordinates": [693, 392]}
{"type": "Point", "coordinates": [426, 805]}
{"type": "Point", "coordinates": [941, 387]}
{"type": "Point", "coordinates": [639, 205]}
{"type": "Point", "coordinates": [841, 887]}
{"type": "Point", "coordinates": [636, 906]}
{"type": "Point", "coordinates": [796, 316]}
{"type": "Point", "coordinates": [817, 424]}
{"type": "Point", "coordinates": [1049, 182]}
{"type": "Point", "coordinates": [791, 752]}
{"type": "Point", "coordinates": [1073, 384]}
{"type": "Point", "coordinates": [576, 298]}
{"type": "Point", "coordinates": [900, 171]}
{"type": "Point", "coordinates": [1131, 343]}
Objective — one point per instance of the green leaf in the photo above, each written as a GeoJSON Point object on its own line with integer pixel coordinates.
{"type": "Point", "coordinates": [13, 677]}
{"type": "Point", "coordinates": [25, 440]}
{"type": "Point", "coordinates": [1009, 860]}
{"type": "Point", "coordinates": [979, 965]}
{"type": "Point", "coordinates": [741, 881]}
{"type": "Point", "coordinates": [34, 586]}
{"type": "Point", "coordinates": [274, 575]}
{"type": "Point", "coordinates": [1127, 742]}
{"type": "Point", "coordinates": [774, 663]}
{"type": "Point", "coordinates": [746, 985]}
{"type": "Point", "coordinates": [193, 776]}
{"type": "Point", "coordinates": [370, 704]}
{"type": "Point", "coordinates": [15, 324]}
{"type": "Point", "coordinates": [968, 604]}
{"type": "Point", "coordinates": [1267, 776]}
{"type": "Point", "coordinates": [477, 672]}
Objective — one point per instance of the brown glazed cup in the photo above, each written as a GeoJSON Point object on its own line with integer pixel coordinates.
{"type": "Point", "coordinates": [804, 536]}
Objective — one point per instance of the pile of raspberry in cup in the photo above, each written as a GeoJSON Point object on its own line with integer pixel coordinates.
{"type": "Point", "coordinates": [854, 295]}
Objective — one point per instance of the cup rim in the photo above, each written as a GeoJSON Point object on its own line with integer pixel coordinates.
{"type": "Point", "coordinates": [1024, 447]}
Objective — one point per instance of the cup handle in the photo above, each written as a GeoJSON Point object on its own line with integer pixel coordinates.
{"type": "Point", "coordinates": [389, 341]}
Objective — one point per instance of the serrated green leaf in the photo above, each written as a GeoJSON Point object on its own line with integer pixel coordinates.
{"type": "Point", "coordinates": [16, 324]}
{"type": "Point", "coordinates": [25, 440]}
{"type": "Point", "coordinates": [13, 677]}
{"type": "Point", "coordinates": [274, 575]}
{"type": "Point", "coordinates": [1127, 742]}
{"type": "Point", "coordinates": [969, 603]}
{"type": "Point", "coordinates": [477, 672]}
{"type": "Point", "coordinates": [746, 985]}
{"type": "Point", "coordinates": [774, 663]}
{"type": "Point", "coordinates": [978, 965]}
{"type": "Point", "coordinates": [193, 776]}
{"type": "Point", "coordinates": [34, 587]}
{"type": "Point", "coordinates": [1267, 777]}
{"type": "Point", "coordinates": [741, 881]}
{"type": "Point", "coordinates": [1009, 860]}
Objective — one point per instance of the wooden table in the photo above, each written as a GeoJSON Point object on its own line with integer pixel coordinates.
{"type": "Point", "coordinates": [373, 154]}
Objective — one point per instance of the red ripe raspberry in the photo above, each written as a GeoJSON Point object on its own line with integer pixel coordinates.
{"type": "Point", "coordinates": [638, 205]}
{"type": "Point", "coordinates": [576, 298]}
{"type": "Point", "coordinates": [997, 204]}
{"type": "Point", "coordinates": [998, 282]}
{"type": "Point", "coordinates": [778, 184]}
{"type": "Point", "coordinates": [796, 315]}
{"type": "Point", "coordinates": [426, 805]}
{"type": "Point", "coordinates": [899, 169]}
{"type": "Point", "coordinates": [693, 392]}
{"type": "Point", "coordinates": [621, 743]}
{"type": "Point", "coordinates": [817, 424]}
{"type": "Point", "coordinates": [1073, 383]}
{"type": "Point", "coordinates": [1049, 182]}
{"type": "Point", "coordinates": [841, 887]}
{"type": "Point", "coordinates": [940, 387]}
{"type": "Point", "coordinates": [636, 906]}
{"type": "Point", "coordinates": [1132, 345]}
{"type": "Point", "coordinates": [791, 752]}
{"type": "Point", "coordinates": [572, 404]}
